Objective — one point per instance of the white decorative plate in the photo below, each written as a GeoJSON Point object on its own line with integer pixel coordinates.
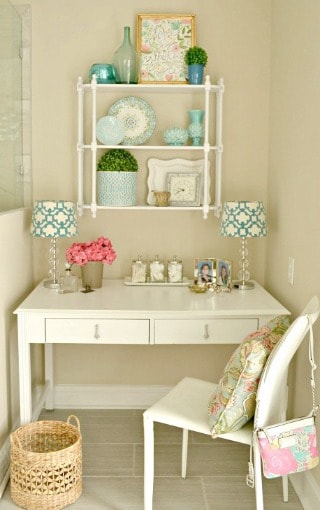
{"type": "Point", "coordinates": [110, 130]}
{"type": "Point", "coordinates": [159, 168]}
{"type": "Point", "coordinates": [137, 117]}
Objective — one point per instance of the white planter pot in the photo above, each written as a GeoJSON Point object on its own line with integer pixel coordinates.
{"type": "Point", "coordinates": [117, 188]}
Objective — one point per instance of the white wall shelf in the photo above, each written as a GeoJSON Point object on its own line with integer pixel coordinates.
{"type": "Point", "coordinates": [216, 148]}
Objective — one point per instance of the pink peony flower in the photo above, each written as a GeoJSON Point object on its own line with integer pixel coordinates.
{"type": "Point", "coordinates": [100, 250]}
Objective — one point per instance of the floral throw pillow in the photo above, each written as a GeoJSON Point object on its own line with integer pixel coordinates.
{"type": "Point", "coordinates": [234, 400]}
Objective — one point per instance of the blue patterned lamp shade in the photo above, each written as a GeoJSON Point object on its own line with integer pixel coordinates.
{"type": "Point", "coordinates": [243, 219]}
{"type": "Point", "coordinates": [53, 219]}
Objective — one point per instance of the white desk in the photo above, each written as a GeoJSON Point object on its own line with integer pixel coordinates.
{"type": "Point", "coordinates": [121, 314]}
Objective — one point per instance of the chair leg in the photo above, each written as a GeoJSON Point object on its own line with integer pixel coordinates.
{"type": "Point", "coordinates": [285, 488]}
{"type": "Point", "coordinates": [257, 475]}
{"type": "Point", "coordinates": [148, 462]}
{"type": "Point", "coordinates": [185, 433]}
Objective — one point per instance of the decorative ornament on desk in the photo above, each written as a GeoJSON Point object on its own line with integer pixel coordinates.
{"type": "Point", "coordinates": [196, 129]}
{"type": "Point", "coordinates": [175, 136]}
{"type": "Point", "coordinates": [126, 61]}
{"type": "Point", "coordinates": [90, 256]}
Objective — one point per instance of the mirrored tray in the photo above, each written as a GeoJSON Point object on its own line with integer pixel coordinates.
{"type": "Point", "coordinates": [159, 168]}
{"type": "Point", "coordinates": [184, 283]}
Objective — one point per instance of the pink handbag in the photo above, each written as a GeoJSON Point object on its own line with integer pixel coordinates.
{"type": "Point", "coordinates": [291, 446]}
{"type": "Point", "coordinates": [288, 447]}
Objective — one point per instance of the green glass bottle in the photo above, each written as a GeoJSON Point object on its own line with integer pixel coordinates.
{"type": "Point", "coordinates": [126, 61]}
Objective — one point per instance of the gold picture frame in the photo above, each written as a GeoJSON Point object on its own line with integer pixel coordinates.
{"type": "Point", "coordinates": [162, 41]}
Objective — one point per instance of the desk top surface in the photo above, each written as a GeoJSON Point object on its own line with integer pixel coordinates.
{"type": "Point", "coordinates": [117, 298]}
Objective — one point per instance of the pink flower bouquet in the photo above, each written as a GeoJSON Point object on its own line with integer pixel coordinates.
{"type": "Point", "coordinates": [100, 250]}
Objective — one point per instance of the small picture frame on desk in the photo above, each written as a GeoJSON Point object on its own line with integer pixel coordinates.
{"type": "Point", "coordinates": [205, 271]}
{"type": "Point", "coordinates": [224, 274]}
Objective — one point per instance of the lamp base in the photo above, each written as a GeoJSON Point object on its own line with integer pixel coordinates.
{"type": "Point", "coordinates": [51, 284]}
{"type": "Point", "coordinates": [241, 285]}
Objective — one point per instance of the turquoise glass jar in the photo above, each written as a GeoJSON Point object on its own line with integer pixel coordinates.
{"type": "Point", "coordinates": [104, 72]}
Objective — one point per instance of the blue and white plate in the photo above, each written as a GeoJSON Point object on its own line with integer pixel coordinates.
{"type": "Point", "coordinates": [110, 130]}
{"type": "Point", "coordinates": [137, 117]}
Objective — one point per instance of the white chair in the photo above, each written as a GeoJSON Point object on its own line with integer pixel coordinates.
{"type": "Point", "coordinates": [186, 406]}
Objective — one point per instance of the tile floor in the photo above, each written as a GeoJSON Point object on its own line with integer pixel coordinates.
{"type": "Point", "coordinates": [113, 468]}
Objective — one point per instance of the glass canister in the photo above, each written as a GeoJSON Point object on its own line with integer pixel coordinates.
{"type": "Point", "coordinates": [175, 270]}
{"type": "Point", "coordinates": [156, 270]}
{"type": "Point", "coordinates": [139, 271]}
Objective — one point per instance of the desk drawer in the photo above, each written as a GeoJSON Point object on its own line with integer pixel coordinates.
{"type": "Point", "coordinates": [203, 331]}
{"type": "Point", "coordinates": [100, 331]}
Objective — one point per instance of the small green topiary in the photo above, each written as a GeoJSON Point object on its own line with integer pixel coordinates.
{"type": "Point", "coordinates": [117, 160]}
{"type": "Point", "coordinates": [196, 55]}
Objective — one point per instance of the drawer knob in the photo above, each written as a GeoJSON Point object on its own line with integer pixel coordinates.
{"type": "Point", "coordinates": [206, 332]}
{"type": "Point", "coordinates": [96, 331]}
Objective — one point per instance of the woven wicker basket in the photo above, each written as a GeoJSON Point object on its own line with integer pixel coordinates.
{"type": "Point", "coordinates": [46, 464]}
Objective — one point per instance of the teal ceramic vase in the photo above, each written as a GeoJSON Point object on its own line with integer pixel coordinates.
{"type": "Point", "coordinates": [126, 61]}
{"type": "Point", "coordinates": [118, 189]}
{"type": "Point", "coordinates": [196, 129]}
{"type": "Point", "coordinates": [195, 74]}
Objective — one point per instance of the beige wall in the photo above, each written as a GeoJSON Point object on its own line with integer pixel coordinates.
{"type": "Point", "coordinates": [66, 41]}
{"type": "Point", "coordinates": [15, 283]}
{"type": "Point", "coordinates": [294, 177]}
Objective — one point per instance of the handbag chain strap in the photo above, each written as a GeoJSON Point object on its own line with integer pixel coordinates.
{"type": "Point", "coordinates": [315, 407]}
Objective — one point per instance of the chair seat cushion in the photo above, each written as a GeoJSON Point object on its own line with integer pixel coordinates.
{"type": "Point", "coordinates": [233, 402]}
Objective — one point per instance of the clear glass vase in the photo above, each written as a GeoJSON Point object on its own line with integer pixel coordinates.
{"type": "Point", "coordinates": [126, 61]}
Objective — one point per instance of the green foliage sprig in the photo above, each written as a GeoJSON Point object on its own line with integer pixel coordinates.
{"type": "Point", "coordinates": [196, 55]}
{"type": "Point", "coordinates": [117, 160]}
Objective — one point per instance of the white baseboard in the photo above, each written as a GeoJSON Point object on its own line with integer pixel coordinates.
{"type": "Point", "coordinates": [94, 396]}
{"type": "Point", "coordinates": [307, 489]}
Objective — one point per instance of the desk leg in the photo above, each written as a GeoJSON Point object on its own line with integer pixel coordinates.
{"type": "Point", "coordinates": [48, 367]}
{"type": "Point", "coordinates": [24, 373]}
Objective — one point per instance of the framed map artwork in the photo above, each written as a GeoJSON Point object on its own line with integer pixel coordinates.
{"type": "Point", "coordinates": [162, 41]}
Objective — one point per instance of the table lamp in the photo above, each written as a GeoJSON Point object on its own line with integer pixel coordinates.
{"type": "Point", "coordinates": [243, 219]}
{"type": "Point", "coordinates": [53, 219]}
